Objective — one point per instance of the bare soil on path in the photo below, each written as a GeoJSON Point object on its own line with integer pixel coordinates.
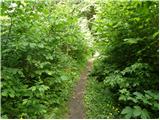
{"type": "Point", "coordinates": [76, 107]}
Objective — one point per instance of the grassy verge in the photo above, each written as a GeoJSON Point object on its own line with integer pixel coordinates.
{"type": "Point", "coordinates": [98, 102]}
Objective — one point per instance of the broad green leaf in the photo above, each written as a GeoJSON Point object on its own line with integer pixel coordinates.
{"type": "Point", "coordinates": [123, 97]}
{"type": "Point", "coordinates": [32, 45]}
{"type": "Point", "coordinates": [156, 105]}
{"type": "Point", "coordinates": [144, 114]}
{"type": "Point", "coordinates": [33, 88]}
{"type": "Point", "coordinates": [64, 77]}
{"type": "Point", "coordinates": [127, 110]}
{"type": "Point", "coordinates": [138, 95]}
{"type": "Point", "coordinates": [133, 99]}
{"type": "Point", "coordinates": [155, 34]}
{"type": "Point", "coordinates": [137, 111]}
{"type": "Point", "coordinates": [132, 40]}
{"type": "Point", "coordinates": [128, 116]}
{"type": "Point", "coordinates": [41, 45]}
{"type": "Point", "coordinates": [4, 93]}
{"type": "Point", "coordinates": [11, 94]}
{"type": "Point", "coordinates": [25, 101]}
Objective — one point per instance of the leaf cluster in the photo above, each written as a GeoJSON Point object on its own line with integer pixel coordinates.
{"type": "Point", "coordinates": [42, 52]}
{"type": "Point", "coordinates": [127, 36]}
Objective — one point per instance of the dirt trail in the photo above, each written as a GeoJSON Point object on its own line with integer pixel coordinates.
{"type": "Point", "coordinates": [76, 103]}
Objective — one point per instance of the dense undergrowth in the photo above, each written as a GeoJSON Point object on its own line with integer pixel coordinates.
{"type": "Point", "coordinates": [126, 34]}
{"type": "Point", "coordinates": [98, 101]}
{"type": "Point", "coordinates": [43, 51]}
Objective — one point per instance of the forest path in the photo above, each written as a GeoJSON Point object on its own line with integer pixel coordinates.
{"type": "Point", "coordinates": [76, 105]}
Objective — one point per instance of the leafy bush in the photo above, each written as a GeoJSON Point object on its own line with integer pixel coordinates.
{"type": "Point", "coordinates": [127, 36]}
{"type": "Point", "coordinates": [42, 52]}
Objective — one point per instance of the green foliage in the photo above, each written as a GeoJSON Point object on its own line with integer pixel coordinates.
{"type": "Point", "coordinates": [127, 35]}
{"type": "Point", "coordinates": [42, 52]}
{"type": "Point", "coordinates": [98, 102]}
{"type": "Point", "coordinates": [135, 112]}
